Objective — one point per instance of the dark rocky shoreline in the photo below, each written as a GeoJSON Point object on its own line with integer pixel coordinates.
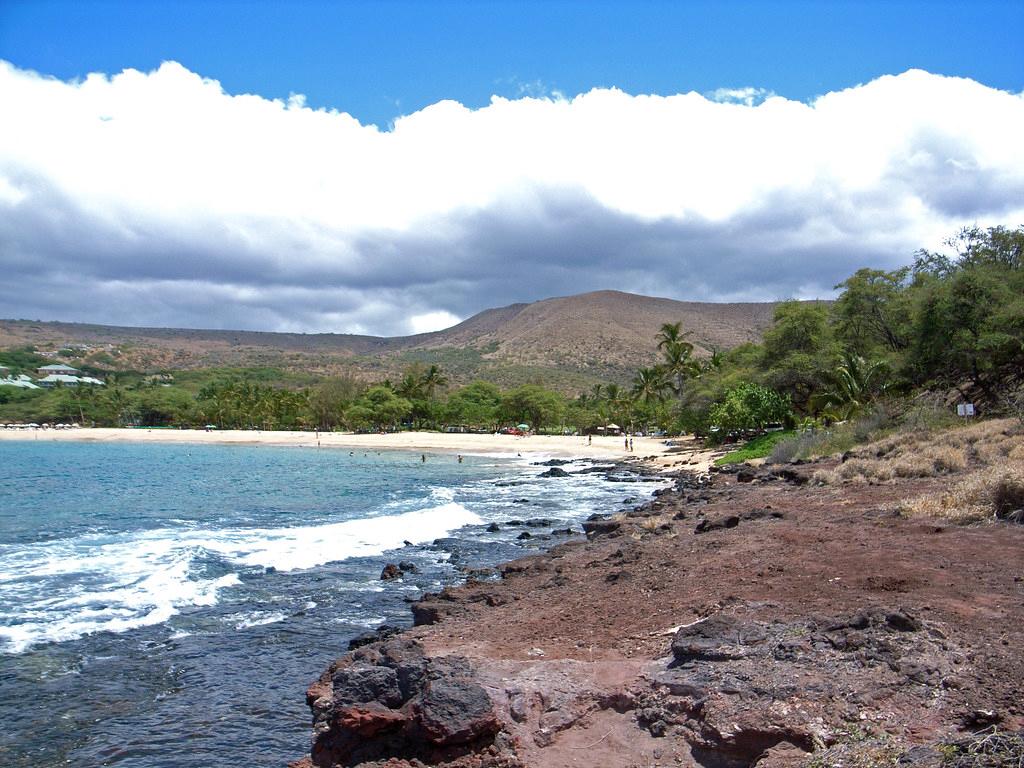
{"type": "Point", "coordinates": [736, 619]}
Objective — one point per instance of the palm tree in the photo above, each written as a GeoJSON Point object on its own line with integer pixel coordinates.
{"type": "Point", "coordinates": [411, 385]}
{"type": "Point", "coordinates": [679, 365]}
{"type": "Point", "coordinates": [433, 380]}
{"type": "Point", "coordinates": [614, 400]}
{"type": "Point", "coordinates": [856, 383]}
{"type": "Point", "coordinates": [650, 384]}
{"type": "Point", "coordinates": [671, 334]}
{"type": "Point", "coordinates": [714, 362]}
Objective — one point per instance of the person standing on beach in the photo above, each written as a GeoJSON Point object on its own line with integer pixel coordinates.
{"type": "Point", "coordinates": [625, 442]}
{"type": "Point", "coordinates": [631, 445]}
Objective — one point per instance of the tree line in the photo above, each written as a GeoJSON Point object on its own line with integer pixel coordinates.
{"type": "Point", "coordinates": [951, 321]}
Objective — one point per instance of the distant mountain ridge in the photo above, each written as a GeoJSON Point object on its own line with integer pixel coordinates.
{"type": "Point", "coordinates": [565, 341]}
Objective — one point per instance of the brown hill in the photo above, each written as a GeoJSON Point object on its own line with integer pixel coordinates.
{"type": "Point", "coordinates": [566, 341]}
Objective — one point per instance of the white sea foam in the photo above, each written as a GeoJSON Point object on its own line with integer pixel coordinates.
{"type": "Point", "coordinates": [258, 619]}
{"type": "Point", "coordinates": [62, 590]}
{"type": "Point", "coordinates": [289, 549]}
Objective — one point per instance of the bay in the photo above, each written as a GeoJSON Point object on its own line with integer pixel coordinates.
{"type": "Point", "coordinates": [166, 605]}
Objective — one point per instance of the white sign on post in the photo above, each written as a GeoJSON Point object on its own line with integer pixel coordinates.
{"type": "Point", "coordinates": [965, 409]}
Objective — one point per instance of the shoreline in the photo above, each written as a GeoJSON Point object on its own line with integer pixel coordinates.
{"type": "Point", "coordinates": [620, 650]}
{"type": "Point", "coordinates": [650, 450]}
{"type": "Point", "coordinates": [441, 560]}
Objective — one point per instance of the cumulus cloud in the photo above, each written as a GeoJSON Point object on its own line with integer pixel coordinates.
{"type": "Point", "coordinates": [158, 199]}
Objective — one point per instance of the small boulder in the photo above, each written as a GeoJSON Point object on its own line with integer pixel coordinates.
{"type": "Point", "coordinates": [782, 755]}
{"type": "Point", "coordinates": [717, 523]}
{"type": "Point", "coordinates": [456, 711]}
{"type": "Point", "coordinates": [382, 632]}
{"type": "Point", "coordinates": [601, 527]}
{"type": "Point", "coordinates": [555, 472]}
{"type": "Point", "coordinates": [902, 622]}
{"type": "Point", "coordinates": [391, 571]}
{"type": "Point", "coordinates": [424, 613]}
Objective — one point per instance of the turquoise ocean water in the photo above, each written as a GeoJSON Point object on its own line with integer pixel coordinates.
{"type": "Point", "coordinates": [166, 605]}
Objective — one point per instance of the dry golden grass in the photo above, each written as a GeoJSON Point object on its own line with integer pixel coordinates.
{"type": "Point", "coordinates": [996, 492]}
{"type": "Point", "coordinates": [930, 454]}
{"type": "Point", "coordinates": [653, 523]}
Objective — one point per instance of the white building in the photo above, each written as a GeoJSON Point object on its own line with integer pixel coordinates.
{"type": "Point", "coordinates": [68, 381]}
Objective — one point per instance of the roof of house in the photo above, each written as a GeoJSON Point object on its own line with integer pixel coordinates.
{"type": "Point", "coordinates": [59, 378]}
{"type": "Point", "coordinates": [57, 367]}
{"type": "Point", "coordinates": [17, 383]}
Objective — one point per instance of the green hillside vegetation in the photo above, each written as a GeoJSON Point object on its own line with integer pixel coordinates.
{"type": "Point", "coordinates": [950, 323]}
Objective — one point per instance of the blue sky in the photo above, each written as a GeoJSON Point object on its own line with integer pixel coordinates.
{"type": "Point", "coordinates": [378, 60]}
{"type": "Point", "coordinates": [700, 151]}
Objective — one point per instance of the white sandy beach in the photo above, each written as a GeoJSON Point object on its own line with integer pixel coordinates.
{"type": "Point", "coordinates": [650, 448]}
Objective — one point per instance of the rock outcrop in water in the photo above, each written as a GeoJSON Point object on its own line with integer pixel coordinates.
{"type": "Point", "coordinates": [391, 701]}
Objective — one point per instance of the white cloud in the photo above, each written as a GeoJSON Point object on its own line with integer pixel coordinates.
{"type": "Point", "coordinates": [206, 208]}
{"type": "Point", "coordinates": [432, 321]}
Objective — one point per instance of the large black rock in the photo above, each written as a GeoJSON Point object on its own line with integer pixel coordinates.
{"type": "Point", "coordinates": [360, 685]}
{"type": "Point", "coordinates": [456, 710]}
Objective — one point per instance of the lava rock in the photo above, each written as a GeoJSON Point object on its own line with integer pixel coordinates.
{"type": "Point", "coordinates": [554, 472]}
{"type": "Point", "coordinates": [424, 613]}
{"type": "Point", "coordinates": [369, 720]}
{"type": "Point", "coordinates": [360, 685]}
{"type": "Point", "coordinates": [391, 571]}
{"type": "Point", "coordinates": [382, 632]}
{"type": "Point", "coordinates": [717, 638]}
{"type": "Point", "coordinates": [601, 527]}
{"type": "Point", "coordinates": [456, 711]}
{"type": "Point", "coordinates": [902, 622]}
{"type": "Point", "coordinates": [717, 523]}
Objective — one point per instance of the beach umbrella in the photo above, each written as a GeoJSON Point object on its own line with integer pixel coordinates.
{"type": "Point", "coordinates": [614, 426]}
{"type": "Point", "coordinates": [522, 426]}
